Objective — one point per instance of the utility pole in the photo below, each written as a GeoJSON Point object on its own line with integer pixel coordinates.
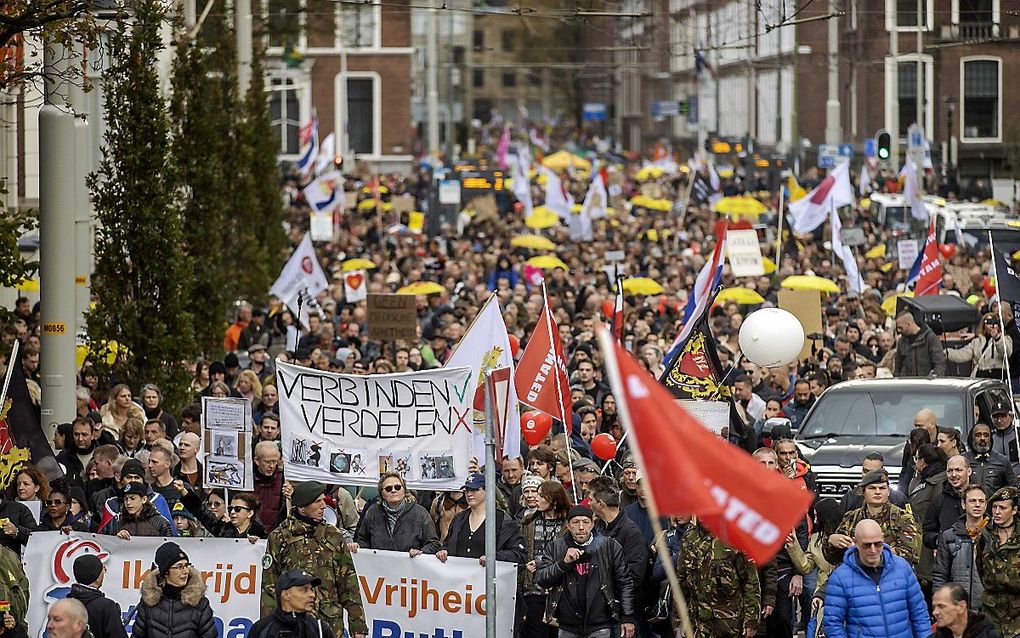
{"type": "Point", "coordinates": [432, 79]}
{"type": "Point", "coordinates": [450, 93]}
{"type": "Point", "coordinates": [894, 97]}
{"type": "Point", "coordinates": [833, 134]}
{"type": "Point", "coordinates": [718, 75]}
{"type": "Point", "coordinates": [920, 67]}
{"type": "Point", "coordinates": [56, 246]}
{"type": "Point", "coordinates": [242, 24]}
{"type": "Point", "coordinates": [82, 208]}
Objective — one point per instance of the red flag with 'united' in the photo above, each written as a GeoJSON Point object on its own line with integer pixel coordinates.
{"type": "Point", "coordinates": [541, 375]}
{"type": "Point", "coordinates": [692, 471]}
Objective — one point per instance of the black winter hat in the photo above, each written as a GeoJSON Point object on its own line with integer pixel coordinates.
{"type": "Point", "coordinates": [132, 467]}
{"type": "Point", "coordinates": [580, 510]}
{"type": "Point", "coordinates": [87, 569]}
{"type": "Point", "coordinates": [168, 554]}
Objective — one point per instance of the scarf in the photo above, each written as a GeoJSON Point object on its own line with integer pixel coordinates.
{"type": "Point", "coordinates": [392, 514]}
{"type": "Point", "coordinates": [974, 531]}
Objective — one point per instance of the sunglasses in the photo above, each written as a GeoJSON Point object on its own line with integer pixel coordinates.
{"type": "Point", "coordinates": [237, 508]}
{"type": "Point", "coordinates": [393, 488]}
{"type": "Point", "coordinates": [49, 502]}
{"type": "Point", "coordinates": [875, 544]}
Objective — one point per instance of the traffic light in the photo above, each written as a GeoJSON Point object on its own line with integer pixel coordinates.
{"type": "Point", "coordinates": [883, 142]}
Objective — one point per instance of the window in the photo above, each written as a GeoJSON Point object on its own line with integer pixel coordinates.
{"type": "Point", "coordinates": [534, 78]}
{"type": "Point", "coordinates": [458, 55]}
{"type": "Point", "coordinates": [509, 79]}
{"type": "Point", "coordinates": [507, 40]}
{"type": "Point", "coordinates": [361, 115]}
{"type": "Point", "coordinates": [908, 94]}
{"type": "Point", "coordinates": [903, 15]}
{"type": "Point", "coordinates": [981, 110]}
{"type": "Point", "coordinates": [904, 91]}
{"type": "Point", "coordinates": [358, 25]}
{"type": "Point", "coordinates": [977, 11]}
{"type": "Point", "coordinates": [283, 23]}
{"type": "Point", "coordinates": [478, 40]}
{"type": "Point", "coordinates": [477, 78]}
{"type": "Point", "coordinates": [285, 112]}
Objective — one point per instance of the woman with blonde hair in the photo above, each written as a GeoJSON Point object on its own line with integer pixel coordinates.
{"type": "Point", "coordinates": [396, 522]}
{"type": "Point", "coordinates": [985, 350]}
{"type": "Point", "coordinates": [132, 440]}
{"type": "Point", "coordinates": [118, 409]}
{"type": "Point", "coordinates": [250, 387]}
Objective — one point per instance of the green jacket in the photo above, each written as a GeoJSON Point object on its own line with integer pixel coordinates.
{"type": "Point", "coordinates": [999, 567]}
{"type": "Point", "coordinates": [720, 584]}
{"type": "Point", "coordinates": [321, 551]}
{"type": "Point", "coordinates": [899, 529]}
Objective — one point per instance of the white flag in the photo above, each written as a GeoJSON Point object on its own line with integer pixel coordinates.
{"type": "Point", "coordinates": [912, 191]}
{"type": "Point", "coordinates": [483, 348]}
{"type": "Point", "coordinates": [596, 200]}
{"type": "Point", "coordinates": [864, 183]}
{"type": "Point", "coordinates": [557, 197]}
{"type": "Point", "coordinates": [327, 153]}
{"type": "Point", "coordinates": [811, 211]}
{"type": "Point", "coordinates": [322, 193]}
{"type": "Point", "coordinates": [846, 254]}
{"type": "Point", "coordinates": [522, 183]}
{"type": "Point", "coordinates": [300, 281]}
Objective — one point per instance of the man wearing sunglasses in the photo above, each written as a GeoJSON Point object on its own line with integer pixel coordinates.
{"type": "Point", "coordinates": [874, 592]}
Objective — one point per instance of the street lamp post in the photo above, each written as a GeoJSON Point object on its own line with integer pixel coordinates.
{"type": "Point", "coordinates": [947, 161]}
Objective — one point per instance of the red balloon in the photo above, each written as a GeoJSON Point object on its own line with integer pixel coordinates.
{"type": "Point", "coordinates": [515, 345]}
{"type": "Point", "coordinates": [947, 250]}
{"type": "Point", "coordinates": [534, 426]}
{"type": "Point", "coordinates": [988, 285]}
{"type": "Point", "coordinates": [608, 308]}
{"type": "Point", "coordinates": [604, 446]}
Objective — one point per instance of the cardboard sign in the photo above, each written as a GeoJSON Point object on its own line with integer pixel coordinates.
{"type": "Point", "coordinates": [392, 317]}
{"type": "Point", "coordinates": [745, 253]}
{"type": "Point", "coordinates": [402, 204]}
{"type": "Point", "coordinates": [806, 305]}
{"type": "Point", "coordinates": [906, 251]}
{"type": "Point", "coordinates": [226, 437]}
{"type": "Point", "coordinates": [852, 237]}
{"type": "Point", "coordinates": [321, 225]}
{"type": "Point", "coordinates": [485, 207]}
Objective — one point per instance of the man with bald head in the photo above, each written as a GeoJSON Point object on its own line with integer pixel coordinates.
{"type": "Point", "coordinates": [190, 468]}
{"type": "Point", "coordinates": [918, 350]}
{"type": "Point", "coordinates": [927, 420]}
{"type": "Point", "coordinates": [67, 618]}
{"type": "Point", "coordinates": [874, 592]}
{"type": "Point", "coordinates": [946, 505]}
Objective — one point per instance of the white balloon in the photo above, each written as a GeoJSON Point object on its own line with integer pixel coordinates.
{"type": "Point", "coordinates": [771, 337]}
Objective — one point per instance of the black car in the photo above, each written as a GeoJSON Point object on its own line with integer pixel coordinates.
{"type": "Point", "coordinates": [854, 418]}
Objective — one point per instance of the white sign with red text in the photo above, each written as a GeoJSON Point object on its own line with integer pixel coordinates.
{"type": "Point", "coordinates": [232, 570]}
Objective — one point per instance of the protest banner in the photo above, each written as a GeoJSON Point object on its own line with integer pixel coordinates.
{"type": "Point", "coordinates": [744, 253]}
{"type": "Point", "coordinates": [226, 439]}
{"type": "Point", "coordinates": [392, 317]}
{"type": "Point", "coordinates": [714, 415]}
{"type": "Point", "coordinates": [339, 428]}
{"type": "Point", "coordinates": [906, 253]}
{"type": "Point", "coordinates": [231, 568]}
{"type": "Point", "coordinates": [420, 596]}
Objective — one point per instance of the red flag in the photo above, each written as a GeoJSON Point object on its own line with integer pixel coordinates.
{"type": "Point", "coordinates": [929, 278]}
{"type": "Point", "coordinates": [692, 471]}
{"type": "Point", "coordinates": [618, 311]}
{"type": "Point", "coordinates": [541, 376]}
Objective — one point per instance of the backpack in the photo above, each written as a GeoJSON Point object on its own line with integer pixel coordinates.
{"type": "Point", "coordinates": [13, 583]}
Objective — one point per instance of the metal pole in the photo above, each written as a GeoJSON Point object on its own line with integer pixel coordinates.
{"type": "Point", "coordinates": [779, 230]}
{"type": "Point", "coordinates": [190, 14]}
{"type": "Point", "coordinates": [432, 80]}
{"type": "Point", "coordinates": [56, 247]}
{"type": "Point", "coordinates": [449, 92]}
{"type": "Point", "coordinates": [490, 514]}
{"type": "Point", "coordinates": [82, 208]}
{"type": "Point", "coordinates": [920, 67]}
{"type": "Point", "coordinates": [11, 159]}
{"type": "Point", "coordinates": [242, 23]}
{"type": "Point", "coordinates": [894, 90]}
{"type": "Point", "coordinates": [832, 128]}
{"type": "Point", "coordinates": [340, 112]}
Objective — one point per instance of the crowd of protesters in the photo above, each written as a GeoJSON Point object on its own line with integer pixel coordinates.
{"type": "Point", "coordinates": [944, 546]}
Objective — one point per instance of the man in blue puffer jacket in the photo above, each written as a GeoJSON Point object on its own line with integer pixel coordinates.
{"type": "Point", "coordinates": [874, 593]}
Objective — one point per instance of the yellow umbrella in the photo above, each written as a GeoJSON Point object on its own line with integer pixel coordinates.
{"type": "Point", "coordinates": [367, 204]}
{"type": "Point", "coordinates": [28, 285]}
{"type": "Point", "coordinates": [744, 296]}
{"type": "Point", "coordinates": [647, 173]}
{"type": "Point", "coordinates": [563, 160]}
{"type": "Point", "coordinates": [421, 288]}
{"type": "Point", "coordinates": [368, 190]}
{"type": "Point", "coordinates": [533, 241]}
{"type": "Point", "coordinates": [642, 286]}
{"type": "Point", "coordinates": [810, 282]}
{"type": "Point", "coordinates": [547, 262]}
{"type": "Point", "coordinates": [357, 263]}
{"type": "Point", "coordinates": [992, 202]}
{"type": "Point", "coordinates": [542, 217]}
{"type": "Point", "coordinates": [740, 206]}
{"type": "Point", "coordinates": [576, 208]}
{"type": "Point", "coordinates": [889, 305]}
{"type": "Point", "coordinates": [876, 252]}
{"type": "Point", "coordinates": [865, 203]}
{"type": "Point", "coordinates": [770, 266]}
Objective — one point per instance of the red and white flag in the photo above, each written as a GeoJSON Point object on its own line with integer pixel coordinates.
{"type": "Point", "coordinates": [617, 325]}
{"type": "Point", "coordinates": [926, 273]}
{"type": "Point", "coordinates": [692, 471]}
{"type": "Point", "coordinates": [485, 348]}
{"type": "Point", "coordinates": [541, 377]}
{"type": "Point", "coordinates": [810, 211]}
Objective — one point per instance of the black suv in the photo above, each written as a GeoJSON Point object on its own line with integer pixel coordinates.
{"type": "Point", "coordinates": [855, 418]}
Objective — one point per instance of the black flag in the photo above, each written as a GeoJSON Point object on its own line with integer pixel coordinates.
{"type": "Point", "coordinates": [22, 441]}
{"type": "Point", "coordinates": [1007, 282]}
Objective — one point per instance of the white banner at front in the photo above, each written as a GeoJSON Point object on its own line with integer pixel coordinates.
{"type": "Point", "coordinates": [348, 429]}
{"type": "Point", "coordinates": [420, 596]}
{"type": "Point", "coordinates": [232, 570]}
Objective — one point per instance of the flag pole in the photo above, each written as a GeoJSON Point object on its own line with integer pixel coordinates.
{"type": "Point", "coordinates": [609, 353]}
{"type": "Point", "coordinates": [683, 213]}
{"type": "Point", "coordinates": [1002, 334]}
{"type": "Point", "coordinates": [490, 510]}
{"type": "Point", "coordinates": [10, 368]}
{"type": "Point", "coordinates": [567, 427]}
{"type": "Point", "coordinates": [779, 237]}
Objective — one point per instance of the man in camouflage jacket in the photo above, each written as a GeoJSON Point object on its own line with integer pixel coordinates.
{"type": "Point", "coordinates": [899, 529]}
{"type": "Point", "coordinates": [720, 585]}
{"type": "Point", "coordinates": [305, 542]}
{"type": "Point", "coordinates": [998, 563]}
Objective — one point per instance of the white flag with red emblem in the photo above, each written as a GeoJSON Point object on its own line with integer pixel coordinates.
{"type": "Point", "coordinates": [300, 281]}
{"type": "Point", "coordinates": [835, 191]}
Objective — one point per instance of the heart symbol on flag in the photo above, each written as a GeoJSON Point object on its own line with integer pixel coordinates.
{"type": "Point", "coordinates": [354, 280]}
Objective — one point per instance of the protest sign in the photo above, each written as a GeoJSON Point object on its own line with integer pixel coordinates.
{"type": "Point", "coordinates": [714, 415]}
{"type": "Point", "coordinates": [906, 253]}
{"type": "Point", "coordinates": [744, 253]}
{"type": "Point", "coordinates": [339, 428]}
{"type": "Point", "coordinates": [806, 305]}
{"type": "Point", "coordinates": [355, 286]}
{"type": "Point", "coordinates": [321, 225]}
{"type": "Point", "coordinates": [420, 596]}
{"type": "Point", "coordinates": [226, 439]}
{"type": "Point", "coordinates": [392, 317]}
{"type": "Point", "coordinates": [231, 568]}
